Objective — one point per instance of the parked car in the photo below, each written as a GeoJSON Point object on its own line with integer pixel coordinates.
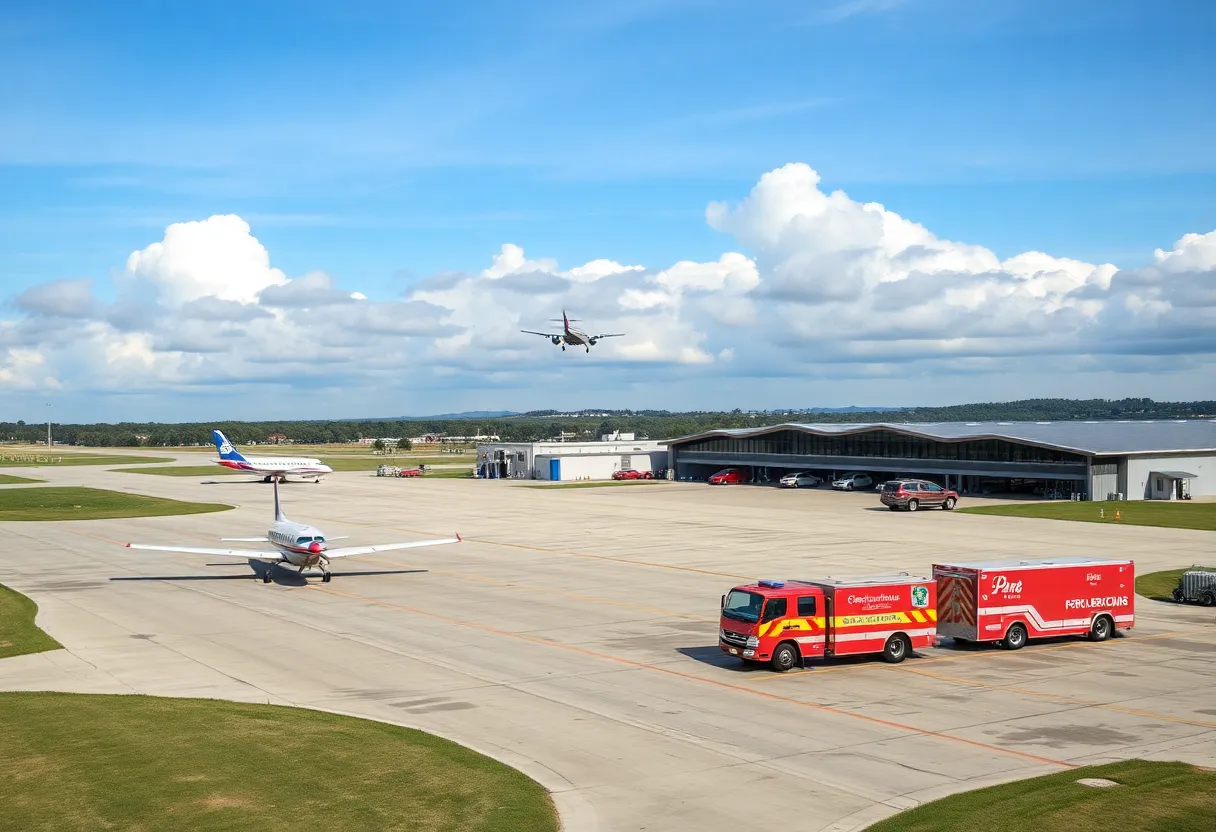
{"type": "Point", "coordinates": [1197, 585]}
{"type": "Point", "coordinates": [630, 474]}
{"type": "Point", "coordinates": [730, 476]}
{"type": "Point", "coordinates": [853, 482]}
{"type": "Point", "coordinates": [804, 479]}
{"type": "Point", "coordinates": [912, 494]}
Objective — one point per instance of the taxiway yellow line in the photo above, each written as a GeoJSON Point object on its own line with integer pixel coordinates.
{"type": "Point", "coordinates": [911, 729]}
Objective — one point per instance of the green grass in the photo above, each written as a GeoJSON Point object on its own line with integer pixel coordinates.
{"type": "Point", "coordinates": [371, 463]}
{"type": "Point", "coordinates": [42, 460]}
{"type": "Point", "coordinates": [597, 484]}
{"type": "Point", "coordinates": [1160, 585]}
{"type": "Point", "coordinates": [1175, 515]}
{"type": "Point", "coordinates": [1152, 796]}
{"type": "Point", "coordinates": [181, 470]}
{"type": "Point", "coordinates": [18, 632]}
{"type": "Point", "coordinates": [87, 762]}
{"type": "Point", "coordinates": [90, 504]}
{"type": "Point", "coordinates": [9, 479]}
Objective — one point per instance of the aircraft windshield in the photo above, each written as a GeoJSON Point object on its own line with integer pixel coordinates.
{"type": "Point", "coordinates": [743, 606]}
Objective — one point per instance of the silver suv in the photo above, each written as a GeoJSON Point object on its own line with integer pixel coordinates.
{"type": "Point", "coordinates": [853, 482]}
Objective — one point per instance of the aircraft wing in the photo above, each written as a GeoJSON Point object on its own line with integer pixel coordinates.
{"type": "Point", "coordinates": [544, 334]}
{"type": "Point", "coordinates": [347, 551]}
{"type": "Point", "coordinates": [227, 553]}
{"type": "Point", "coordinates": [608, 335]}
{"type": "Point", "coordinates": [244, 540]}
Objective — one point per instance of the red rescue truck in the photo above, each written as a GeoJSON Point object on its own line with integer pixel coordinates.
{"type": "Point", "coordinates": [787, 622]}
{"type": "Point", "coordinates": [1011, 601]}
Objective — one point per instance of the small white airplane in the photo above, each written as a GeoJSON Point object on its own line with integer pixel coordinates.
{"type": "Point", "coordinates": [570, 335]}
{"type": "Point", "coordinates": [269, 467]}
{"type": "Point", "coordinates": [296, 544]}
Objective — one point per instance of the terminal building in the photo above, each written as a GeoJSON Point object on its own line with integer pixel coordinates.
{"type": "Point", "coordinates": [1132, 460]}
{"type": "Point", "coordinates": [570, 460]}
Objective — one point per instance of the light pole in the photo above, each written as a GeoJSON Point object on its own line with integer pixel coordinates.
{"type": "Point", "coordinates": [48, 425]}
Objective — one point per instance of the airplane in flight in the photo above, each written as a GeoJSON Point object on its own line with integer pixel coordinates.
{"type": "Point", "coordinates": [570, 335]}
{"type": "Point", "coordinates": [269, 467]}
{"type": "Point", "coordinates": [295, 544]}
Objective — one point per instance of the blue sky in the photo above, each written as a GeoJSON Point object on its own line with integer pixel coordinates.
{"type": "Point", "coordinates": [385, 143]}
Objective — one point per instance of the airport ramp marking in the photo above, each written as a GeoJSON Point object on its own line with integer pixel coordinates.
{"type": "Point", "coordinates": [1063, 699]}
{"type": "Point", "coordinates": [995, 655]}
{"type": "Point", "coordinates": [910, 729]}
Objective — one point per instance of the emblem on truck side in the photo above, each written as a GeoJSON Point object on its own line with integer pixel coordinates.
{"type": "Point", "coordinates": [920, 596]}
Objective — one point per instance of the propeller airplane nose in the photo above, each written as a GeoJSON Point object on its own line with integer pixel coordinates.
{"type": "Point", "coordinates": [315, 547]}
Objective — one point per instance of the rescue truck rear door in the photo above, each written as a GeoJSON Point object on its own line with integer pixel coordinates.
{"type": "Point", "coordinates": [957, 602]}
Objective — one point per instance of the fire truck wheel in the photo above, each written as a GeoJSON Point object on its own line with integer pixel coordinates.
{"type": "Point", "coordinates": [1015, 637]}
{"type": "Point", "coordinates": [784, 657]}
{"type": "Point", "coordinates": [913, 505]}
{"type": "Point", "coordinates": [1101, 629]}
{"type": "Point", "coordinates": [896, 650]}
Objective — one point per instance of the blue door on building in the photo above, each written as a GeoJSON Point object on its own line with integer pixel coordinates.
{"type": "Point", "coordinates": [555, 469]}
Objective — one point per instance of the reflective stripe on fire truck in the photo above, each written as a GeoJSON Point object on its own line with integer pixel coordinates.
{"type": "Point", "coordinates": [1039, 623]}
{"type": "Point", "coordinates": [772, 627]}
{"type": "Point", "coordinates": [883, 635]}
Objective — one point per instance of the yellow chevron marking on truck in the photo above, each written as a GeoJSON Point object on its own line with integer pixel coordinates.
{"type": "Point", "coordinates": [932, 614]}
{"type": "Point", "coordinates": [792, 624]}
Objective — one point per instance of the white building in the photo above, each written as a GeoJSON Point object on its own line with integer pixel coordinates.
{"type": "Point", "coordinates": [567, 460]}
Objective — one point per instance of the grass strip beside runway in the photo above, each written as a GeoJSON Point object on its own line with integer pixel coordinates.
{"type": "Point", "coordinates": [19, 634]}
{"type": "Point", "coordinates": [9, 479]}
{"type": "Point", "coordinates": [1172, 514]}
{"type": "Point", "coordinates": [86, 762]}
{"type": "Point", "coordinates": [45, 460]}
{"type": "Point", "coordinates": [1150, 796]}
{"type": "Point", "coordinates": [1160, 585]}
{"type": "Point", "coordinates": [91, 504]}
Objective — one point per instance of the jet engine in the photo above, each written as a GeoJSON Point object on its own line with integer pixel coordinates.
{"type": "Point", "coordinates": [592, 341]}
{"type": "Point", "coordinates": [556, 339]}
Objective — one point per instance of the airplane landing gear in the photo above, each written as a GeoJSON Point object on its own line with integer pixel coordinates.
{"type": "Point", "coordinates": [325, 578]}
{"type": "Point", "coordinates": [563, 348]}
{"type": "Point", "coordinates": [266, 479]}
{"type": "Point", "coordinates": [266, 575]}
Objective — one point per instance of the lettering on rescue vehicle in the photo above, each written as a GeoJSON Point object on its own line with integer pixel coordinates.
{"type": "Point", "coordinates": [1096, 603]}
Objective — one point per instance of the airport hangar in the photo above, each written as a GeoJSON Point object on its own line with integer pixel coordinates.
{"type": "Point", "coordinates": [1133, 460]}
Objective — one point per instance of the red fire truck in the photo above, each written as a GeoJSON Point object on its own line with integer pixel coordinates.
{"type": "Point", "coordinates": [787, 622]}
{"type": "Point", "coordinates": [1011, 601]}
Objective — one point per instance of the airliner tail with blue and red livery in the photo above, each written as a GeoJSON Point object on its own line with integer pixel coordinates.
{"type": "Point", "coordinates": [269, 467]}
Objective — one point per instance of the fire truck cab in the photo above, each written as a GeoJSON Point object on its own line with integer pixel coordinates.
{"type": "Point", "coordinates": [785, 623]}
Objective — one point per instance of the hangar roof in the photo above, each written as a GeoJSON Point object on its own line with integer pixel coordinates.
{"type": "Point", "coordinates": [1090, 437]}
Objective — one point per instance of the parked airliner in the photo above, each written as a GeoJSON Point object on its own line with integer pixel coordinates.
{"type": "Point", "coordinates": [269, 467]}
{"type": "Point", "coordinates": [570, 335]}
{"type": "Point", "coordinates": [296, 544]}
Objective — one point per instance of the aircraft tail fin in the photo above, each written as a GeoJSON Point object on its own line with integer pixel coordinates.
{"type": "Point", "coordinates": [226, 449]}
{"type": "Point", "coordinates": [278, 509]}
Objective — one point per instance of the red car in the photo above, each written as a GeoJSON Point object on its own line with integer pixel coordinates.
{"type": "Point", "coordinates": [912, 494]}
{"type": "Point", "coordinates": [730, 476]}
{"type": "Point", "coordinates": [630, 474]}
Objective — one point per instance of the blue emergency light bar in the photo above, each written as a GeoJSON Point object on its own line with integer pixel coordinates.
{"type": "Point", "coordinates": [772, 584]}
